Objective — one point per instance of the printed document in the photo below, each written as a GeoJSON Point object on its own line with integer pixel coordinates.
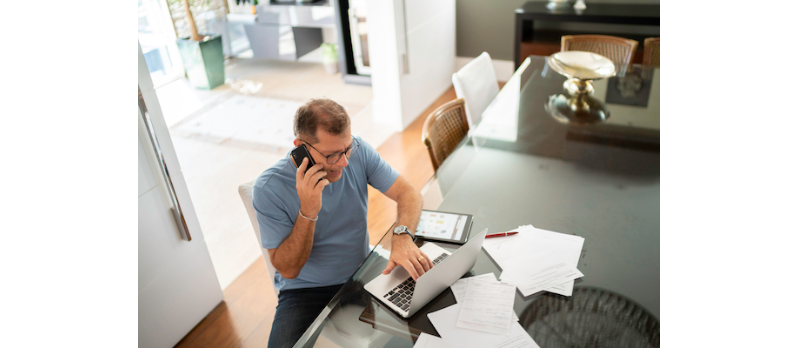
{"type": "Point", "coordinates": [530, 279]}
{"type": "Point", "coordinates": [426, 340]}
{"type": "Point", "coordinates": [533, 249]}
{"type": "Point", "coordinates": [459, 287]}
{"type": "Point", "coordinates": [445, 321]}
{"type": "Point", "coordinates": [487, 306]}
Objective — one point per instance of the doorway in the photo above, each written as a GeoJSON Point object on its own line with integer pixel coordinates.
{"type": "Point", "coordinates": [359, 31]}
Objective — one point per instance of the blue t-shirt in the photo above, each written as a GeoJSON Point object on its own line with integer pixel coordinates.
{"type": "Point", "coordinates": [341, 239]}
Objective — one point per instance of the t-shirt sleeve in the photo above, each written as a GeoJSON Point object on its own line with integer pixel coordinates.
{"type": "Point", "coordinates": [273, 221]}
{"type": "Point", "coordinates": [379, 173]}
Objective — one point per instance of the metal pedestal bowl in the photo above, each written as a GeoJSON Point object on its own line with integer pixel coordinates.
{"type": "Point", "coordinates": [581, 68]}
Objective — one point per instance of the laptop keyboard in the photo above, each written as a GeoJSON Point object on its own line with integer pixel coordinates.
{"type": "Point", "coordinates": [402, 293]}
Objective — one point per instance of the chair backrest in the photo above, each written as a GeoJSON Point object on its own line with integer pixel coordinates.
{"type": "Point", "coordinates": [245, 191]}
{"type": "Point", "coordinates": [443, 130]}
{"type": "Point", "coordinates": [651, 51]}
{"type": "Point", "coordinates": [476, 83]}
{"type": "Point", "coordinates": [619, 50]}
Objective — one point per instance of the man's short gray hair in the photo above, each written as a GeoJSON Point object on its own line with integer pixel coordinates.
{"type": "Point", "coordinates": [324, 113]}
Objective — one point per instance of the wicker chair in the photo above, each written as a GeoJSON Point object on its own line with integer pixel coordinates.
{"type": "Point", "coordinates": [651, 51]}
{"type": "Point", "coordinates": [619, 50]}
{"type": "Point", "coordinates": [443, 130]}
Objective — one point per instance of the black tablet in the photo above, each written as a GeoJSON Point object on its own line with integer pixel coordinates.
{"type": "Point", "coordinates": [444, 226]}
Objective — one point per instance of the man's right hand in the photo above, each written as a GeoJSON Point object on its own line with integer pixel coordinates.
{"type": "Point", "coordinates": [309, 188]}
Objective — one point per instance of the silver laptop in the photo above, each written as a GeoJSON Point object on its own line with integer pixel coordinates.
{"type": "Point", "coordinates": [398, 291]}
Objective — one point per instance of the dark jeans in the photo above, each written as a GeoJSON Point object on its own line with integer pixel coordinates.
{"type": "Point", "coordinates": [296, 310]}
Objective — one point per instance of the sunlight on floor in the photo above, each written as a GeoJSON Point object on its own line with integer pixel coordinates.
{"type": "Point", "coordinates": [177, 100]}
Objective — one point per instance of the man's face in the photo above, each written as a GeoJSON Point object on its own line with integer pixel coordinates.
{"type": "Point", "coordinates": [330, 144]}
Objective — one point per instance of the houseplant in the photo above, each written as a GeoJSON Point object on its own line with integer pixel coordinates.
{"type": "Point", "coordinates": [329, 57]}
{"type": "Point", "coordinates": [203, 56]}
{"type": "Point", "coordinates": [253, 6]}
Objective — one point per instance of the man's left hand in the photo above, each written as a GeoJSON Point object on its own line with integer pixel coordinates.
{"type": "Point", "coordinates": [405, 253]}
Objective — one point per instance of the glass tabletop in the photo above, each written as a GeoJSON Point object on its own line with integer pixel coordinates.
{"type": "Point", "coordinates": [521, 166]}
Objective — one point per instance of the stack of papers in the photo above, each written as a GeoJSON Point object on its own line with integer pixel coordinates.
{"type": "Point", "coordinates": [537, 260]}
{"type": "Point", "coordinates": [487, 306]}
{"type": "Point", "coordinates": [482, 317]}
{"type": "Point", "coordinates": [445, 321]}
{"type": "Point", "coordinates": [533, 260]}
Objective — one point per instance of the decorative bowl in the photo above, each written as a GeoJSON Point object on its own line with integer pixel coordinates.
{"type": "Point", "coordinates": [581, 68]}
{"type": "Point", "coordinates": [582, 65]}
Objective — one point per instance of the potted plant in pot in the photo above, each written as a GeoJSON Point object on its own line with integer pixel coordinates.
{"type": "Point", "coordinates": [253, 5]}
{"type": "Point", "coordinates": [203, 56]}
{"type": "Point", "coordinates": [329, 57]}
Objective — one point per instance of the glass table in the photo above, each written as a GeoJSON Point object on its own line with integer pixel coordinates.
{"type": "Point", "coordinates": [520, 166]}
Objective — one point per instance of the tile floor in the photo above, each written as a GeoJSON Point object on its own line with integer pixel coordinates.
{"type": "Point", "coordinates": [214, 167]}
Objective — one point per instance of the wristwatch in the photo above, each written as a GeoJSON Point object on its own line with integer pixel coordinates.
{"type": "Point", "coordinates": [401, 229]}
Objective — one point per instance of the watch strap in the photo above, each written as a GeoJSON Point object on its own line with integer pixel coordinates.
{"type": "Point", "coordinates": [402, 230]}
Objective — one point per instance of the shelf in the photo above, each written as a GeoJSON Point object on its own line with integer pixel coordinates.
{"type": "Point", "coordinates": [555, 36]}
{"type": "Point", "coordinates": [528, 39]}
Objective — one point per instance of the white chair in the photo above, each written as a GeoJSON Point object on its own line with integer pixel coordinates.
{"type": "Point", "coordinates": [476, 83]}
{"type": "Point", "coordinates": [245, 191]}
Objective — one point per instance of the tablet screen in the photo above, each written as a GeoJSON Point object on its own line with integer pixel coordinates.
{"type": "Point", "coordinates": [438, 225]}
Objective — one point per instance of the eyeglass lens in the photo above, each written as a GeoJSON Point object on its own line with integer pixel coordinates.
{"type": "Point", "coordinates": [333, 159]}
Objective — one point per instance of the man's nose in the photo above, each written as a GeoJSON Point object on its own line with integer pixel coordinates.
{"type": "Point", "coordinates": [343, 162]}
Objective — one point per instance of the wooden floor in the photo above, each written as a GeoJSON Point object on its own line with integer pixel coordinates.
{"type": "Point", "coordinates": [244, 318]}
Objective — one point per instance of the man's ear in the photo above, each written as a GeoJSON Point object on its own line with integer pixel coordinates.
{"type": "Point", "coordinates": [297, 142]}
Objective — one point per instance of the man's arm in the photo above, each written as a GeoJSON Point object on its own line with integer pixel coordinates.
{"type": "Point", "coordinates": [403, 251]}
{"type": "Point", "coordinates": [294, 251]}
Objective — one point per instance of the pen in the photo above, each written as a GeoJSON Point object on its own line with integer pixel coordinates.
{"type": "Point", "coordinates": [501, 234]}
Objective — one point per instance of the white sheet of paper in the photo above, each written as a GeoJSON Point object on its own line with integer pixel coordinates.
{"type": "Point", "coordinates": [426, 340]}
{"type": "Point", "coordinates": [445, 321]}
{"type": "Point", "coordinates": [531, 280]}
{"type": "Point", "coordinates": [533, 246]}
{"type": "Point", "coordinates": [459, 287]}
{"type": "Point", "coordinates": [487, 306]}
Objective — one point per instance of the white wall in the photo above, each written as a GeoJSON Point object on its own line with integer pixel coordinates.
{"type": "Point", "coordinates": [383, 54]}
{"type": "Point", "coordinates": [177, 285]}
{"type": "Point", "coordinates": [430, 47]}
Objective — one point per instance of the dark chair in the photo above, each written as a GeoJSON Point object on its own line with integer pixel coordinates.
{"type": "Point", "coordinates": [619, 50]}
{"type": "Point", "coordinates": [443, 130]}
{"type": "Point", "coordinates": [651, 51]}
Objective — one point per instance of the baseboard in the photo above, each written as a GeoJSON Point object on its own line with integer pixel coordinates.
{"type": "Point", "coordinates": [504, 68]}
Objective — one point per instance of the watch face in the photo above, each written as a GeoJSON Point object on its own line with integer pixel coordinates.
{"type": "Point", "coordinates": [399, 229]}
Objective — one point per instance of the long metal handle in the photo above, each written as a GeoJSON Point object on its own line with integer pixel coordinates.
{"type": "Point", "coordinates": [177, 212]}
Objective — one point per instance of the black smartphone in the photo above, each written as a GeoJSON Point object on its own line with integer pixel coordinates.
{"type": "Point", "coordinates": [299, 153]}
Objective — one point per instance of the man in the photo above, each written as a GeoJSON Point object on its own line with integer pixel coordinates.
{"type": "Point", "coordinates": [314, 224]}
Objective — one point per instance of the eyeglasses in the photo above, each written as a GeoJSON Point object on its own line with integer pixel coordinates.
{"type": "Point", "coordinates": [334, 158]}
